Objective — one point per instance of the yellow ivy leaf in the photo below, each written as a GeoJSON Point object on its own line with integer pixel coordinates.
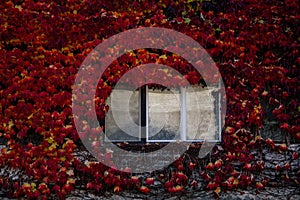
{"type": "Point", "coordinates": [53, 146]}
{"type": "Point", "coordinates": [50, 140]}
{"type": "Point", "coordinates": [33, 185]}
{"type": "Point", "coordinates": [65, 49]}
{"type": "Point", "coordinates": [235, 182]}
{"type": "Point", "coordinates": [217, 190]}
{"type": "Point", "coordinates": [163, 57]}
{"type": "Point", "coordinates": [10, 124]}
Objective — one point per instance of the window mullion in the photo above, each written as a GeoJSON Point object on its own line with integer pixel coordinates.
{"type": "Point", "coordinates": [183, 113]}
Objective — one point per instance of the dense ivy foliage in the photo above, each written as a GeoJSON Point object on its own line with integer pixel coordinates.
{"type": "Point", "coordinates": [43, 43]}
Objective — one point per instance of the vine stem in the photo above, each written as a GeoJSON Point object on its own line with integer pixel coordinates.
{"type": "Point", "coordinates": [288, 136]}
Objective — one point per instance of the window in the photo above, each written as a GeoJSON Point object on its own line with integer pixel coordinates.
{"type": "Point", "coordinates": [116, 128]}
{"type": "Point", "coordinates": [163, 115]}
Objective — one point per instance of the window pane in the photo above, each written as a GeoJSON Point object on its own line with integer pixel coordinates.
{"type": "Point", "coordinates": [164, 115]}
{"type": "Point", "coordinates": [201, 123]}
{"type": "Point", "coordinates": [127, 128]}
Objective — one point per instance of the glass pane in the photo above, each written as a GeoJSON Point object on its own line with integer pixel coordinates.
{"type": "Point", "coordinates": [201, 123]}
{"type": "Point", "coordinates": [122, 119]}
{"type": "Point", "coordinates": [164, 115]}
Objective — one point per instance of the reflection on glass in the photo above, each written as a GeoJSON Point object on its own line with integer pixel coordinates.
{"type": "Point", "coordinates": [114, 131]}
{"type": "Point", "coordinates": [200, 115]}
{"type": "Point", "coordinates": [164, 115]}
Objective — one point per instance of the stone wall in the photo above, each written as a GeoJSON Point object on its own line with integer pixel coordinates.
{"type": "Point", "coordinates": [276, 190]}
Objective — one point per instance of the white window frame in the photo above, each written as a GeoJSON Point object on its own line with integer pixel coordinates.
{"type": "Point", "coordinates": [183, 120]}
